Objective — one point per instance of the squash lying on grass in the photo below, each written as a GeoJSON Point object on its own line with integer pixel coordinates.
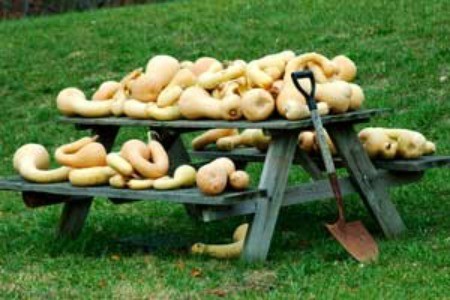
{"type": "Point", "coordinates": [32, 161]}
{"type": "Point", "coordinates": [225, 251]}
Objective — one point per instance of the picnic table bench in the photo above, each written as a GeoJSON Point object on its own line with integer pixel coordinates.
{"type": "Point", "coordinates": [370, 179]}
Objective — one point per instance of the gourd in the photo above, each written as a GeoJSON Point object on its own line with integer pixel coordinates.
{"type": "Point", "coordinates": [212, 178]}
{"type": "Point", "coordinates": [346, 68]}
{"type": "Point", "coordinates": [184, 176]}
{"type": "Point", "coordinates": [83, 153]}
{"type": "Point", "coordinates": [410, 144]}
{"type": "Point", "coordinates": [264, 71]}
{"type": "Point", "coordinates": [137, 153]}
{"type": "Point", "coordinates": [106, 91]}
{"type": "Point", "coordinates": [226, 251]}
{"type": "Point", "coordinates": [119, 164]}
{"type": "Point", "coordinates": [182, 80]}
{"type": "Point", "coordinates": [72, 102]}
{"type": "Point", "coordinates": [239, 180]}
{"type": "Point", "coordinates": [206, 64]}
{"type": "Point", "coordinates": [211, 136]}
{"type": "Point", "coordinates": [140, 184]}
{"type": "Point", "coordinates": [32, 161]}
{"type": "Point", "coordinates": [336, 94]}
{"type": "Point", "coordinates": [135, 109]}
{"type": "Point", "coordinates": [357, 97]}
{"type": "Point", "coordinates": [196, 103]}
{"type": "Point", "coordinates": [308, 142]}
{"type": "Point", "coordinates": [210, 80]}
{"type": "Point", "coordinates": [158, 73]}
{"type": "Point", "coordinates": [248, 138]}
{"type": "Point", "coordinates": [168, 113]}
{"type": "Point", "coordinates": [377, 143]}
{"type": "Point", "coordinates": [118, 181]}
{"type": "Point", "coordinates": [257, 105]}
{"type": "Point", "coordinates": [92, 176]}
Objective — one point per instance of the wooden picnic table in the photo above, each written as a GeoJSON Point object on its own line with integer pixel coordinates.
{"type": "Point", "coordinates": [371, 180]}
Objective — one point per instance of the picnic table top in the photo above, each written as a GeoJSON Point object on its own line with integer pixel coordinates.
{"type": "Point", "coordinates": [273, 124]}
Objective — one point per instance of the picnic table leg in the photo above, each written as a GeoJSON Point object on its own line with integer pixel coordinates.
{"type": "Point", "coordinates": [372, 190]}
{"type": "Point", "coordinates": [274, 180]}
{"type": "Point", "coordinates": [75, 212]}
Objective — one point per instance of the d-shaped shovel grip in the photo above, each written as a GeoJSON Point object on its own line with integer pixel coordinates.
{"type": "Point", "coordinates": [309, 97]}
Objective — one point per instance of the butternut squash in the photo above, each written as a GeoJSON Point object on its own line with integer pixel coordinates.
{"type": "Point", "coordinates": [184, 176]}
{"type": "Point", "coordinates": [32, 161]}
{"type": "Point", "coordinates": [196, 103]}
{"type": "Point", "coordinates": [212, 178]}
{"type": "Point", "coordinates": [92, 176]}
{"type": "Point", "coordinates": [346, 68]}
{"type": "Point", "coordinates": [257, 105]}
{"type": "Point", "coordinates": [210, 80]}
{"type": "Point", "coordinates": [226, 251]}
{"type": "Point", "coordinates": [239, 180]}
{"type": "Point", "coordinates": [118, 181]}
{"type": "Point", "coordinates": [135, 109]}
{"type": "Point", "coordinates": [206, 65]}
{"type": "Point", "coordinates": [72, 101]}
{"type": "Point", "coordinates": [182, 80]}
{"type": "Point", "coordinates": [140, 184]}
{"type": "Point", "coordinates": [119, 164]}
{"type": "Point", "coordinates": [106, 91]}
{"type": "Point", "coordinates": [411, 144]}
{"type": "Point", "coordinates": [83, 153]}
{"type": "Point", "coordinates": [167, 113]}
{"type": "Point", "coordinates": [248, 138]}
{"type": "Point", "coordinates": [211, 136]}
{"type": "Point", "coordinates": [377, 143]}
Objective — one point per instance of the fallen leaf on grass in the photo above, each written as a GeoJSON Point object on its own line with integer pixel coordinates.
{"type": "Point", "coordinates": [196, 272]}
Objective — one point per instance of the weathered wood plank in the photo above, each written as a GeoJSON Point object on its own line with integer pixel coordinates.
{"type": "Point", "coordinates": [407, 165]}
{"type": "Point", "coordinates": [273, 180]}
{"type": "Point", "coordinates": [373, 190]}
{"type": "Point", "coordinates": [185, 125]}
{"type": "Point", "coordinates": [191, 195]}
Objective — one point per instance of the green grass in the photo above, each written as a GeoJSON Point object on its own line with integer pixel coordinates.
{"type": "Point", "coordinates": [402, 52]}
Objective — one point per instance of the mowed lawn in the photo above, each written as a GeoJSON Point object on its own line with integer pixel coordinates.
{"type": "Point", "coordinates": [402, 49]}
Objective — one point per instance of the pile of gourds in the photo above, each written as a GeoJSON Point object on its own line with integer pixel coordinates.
{"type": "Point", "coordinates": [137, 166]}
{"type": "Point", "coordinates": [210, 89]}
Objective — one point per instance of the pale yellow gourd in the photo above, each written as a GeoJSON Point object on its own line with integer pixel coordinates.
{"type": "Point", "coordinates": [357, 98]}
{"type": "Point", "coordinates": [211, 136]}
{"type": "Point", "coordinates": [257, 105]}
{"type": "Point", "coordinates": [264, 71]}
{"type": "Point", "coordinates": [168, 113]}
{"type": "Point", "coordinates": [118, 181]}
{"type": "Point", "coordinates": [212, 178]}
{"type": "Point", "coordinates": [182, 80]}
{"type": "Point", "coordinates": [83, 153]}
{"type": "Point", "coordinates": [248, 138]}
{"type": "Point", "coordinates": [196, 103]}
{"type": "Point", "coordinates": [140, 184]}
{"type": "Point", "coordinates": [206, 65]}
{"type": "Point", "coordinates": [106, 91]}
{"type": "Point", "coordinates": [377, 143]}
{"type": "Point", "coordinates": [32, 161]}
{"type": "Point", "coordinates": [210, 80]}
{"type": "Point", "coordinates": [119, 164]}
{"type": "Point", "coordinates": [346, 68]}
{"type": "Point", "coordinates": [73, 102]}
{"type": "Point", "coordinates": [225, 251]}
{"type": "Point", "coordinates": [239, 180]}
{"type": "Point", "coordinates": [135, 109]}
{"type": "Point", "coordinates": [158, 73]}
{"type": "Point", "coordinates": [306, 141]}
{"type": "Point", "coordinates": [410, 144]}
{"type": "Point", "coordinates": [91, 176]}
{"type": "Point", "coordinates": [184, 176]}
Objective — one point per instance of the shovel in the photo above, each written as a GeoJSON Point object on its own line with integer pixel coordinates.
{"type": "Point", "coordinates": [353, 236]}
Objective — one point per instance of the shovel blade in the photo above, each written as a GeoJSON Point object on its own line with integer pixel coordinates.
{"type": "Point", "coordinates": [355, 238]}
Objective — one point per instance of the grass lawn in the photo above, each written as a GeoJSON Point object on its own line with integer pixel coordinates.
{"type": "Point", "coordinates": [402, 52]}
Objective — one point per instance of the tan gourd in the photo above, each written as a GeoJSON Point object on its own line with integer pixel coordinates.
{"type": "Point", "coordinates": [182, 80]}
{"type": "Point", "coordinates": [410, 144]}
{"type": "Point", "coordinates": [210, 80]}
{"type": "Point", "coordinates": [117, 106]}
{"type": "Point", "coordinates": [211, 136]}
{"type": "Point", "coordinates": [239, 180]}
{"type": "Point", "coordinates": [206, 65]}
{"type": "Point", "coordinates": [118, 181]}
{"type": "Point", "coordinates": [212, 178]}
{"type": "Point", "coordinates": [119, 164]}
{"type": "Point", "coordinates": [168, 113]}
{"type": "Point", "coordinates": [140, 184]}
{"type": "Point", "coordinates": [247, 138]}
{"type": "Point", "coordinates": [184, 176]}
{"type": "Point", "coordinates": [226, 251]}
{"type": "Point", "coordinates": [135, 109]}
{"type": "Point", "coordinates": [196, 103]}
{"type": "Point", "coordinates": [32, 161]}
{"type": "Point", "coordinates": [91, 176]}
{"type": "Point", "coordinates": [72, 102]}
{"type": "Point", "coordinates": [346, 68]}
{"type": "Point", "coordinates": [257, 105]}
{"type": "Point", "coordinates": [306, 141]}
{"type": "Point", "coordinates": [357, 97]}
{"type": "Point", "coordinates": [83, 153]}
{"type": "Point", "coordinates": [336, 94]}
{"type": "Point", "coordinates": [106, 91]}
{"type": "Point", "coordinates": [264, 71]}
{"type": "Point", "coordinates": [158, 73]}
{"type": "Point", "coordinates": [377, 143]}
{"type": "Point", "coordinates": [301, 62]}
{"type": "Point", "coordinates": [138, 154]}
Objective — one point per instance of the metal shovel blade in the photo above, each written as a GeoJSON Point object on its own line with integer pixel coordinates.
{"type": "Point", "coordinates": [355, 238]}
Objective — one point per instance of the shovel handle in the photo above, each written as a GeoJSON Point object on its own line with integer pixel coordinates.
{"type": "Point", "coordinates": [307, 74]}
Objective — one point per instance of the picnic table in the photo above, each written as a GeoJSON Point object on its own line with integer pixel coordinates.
{"type": "Point", "coordinates": [370, 179]}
